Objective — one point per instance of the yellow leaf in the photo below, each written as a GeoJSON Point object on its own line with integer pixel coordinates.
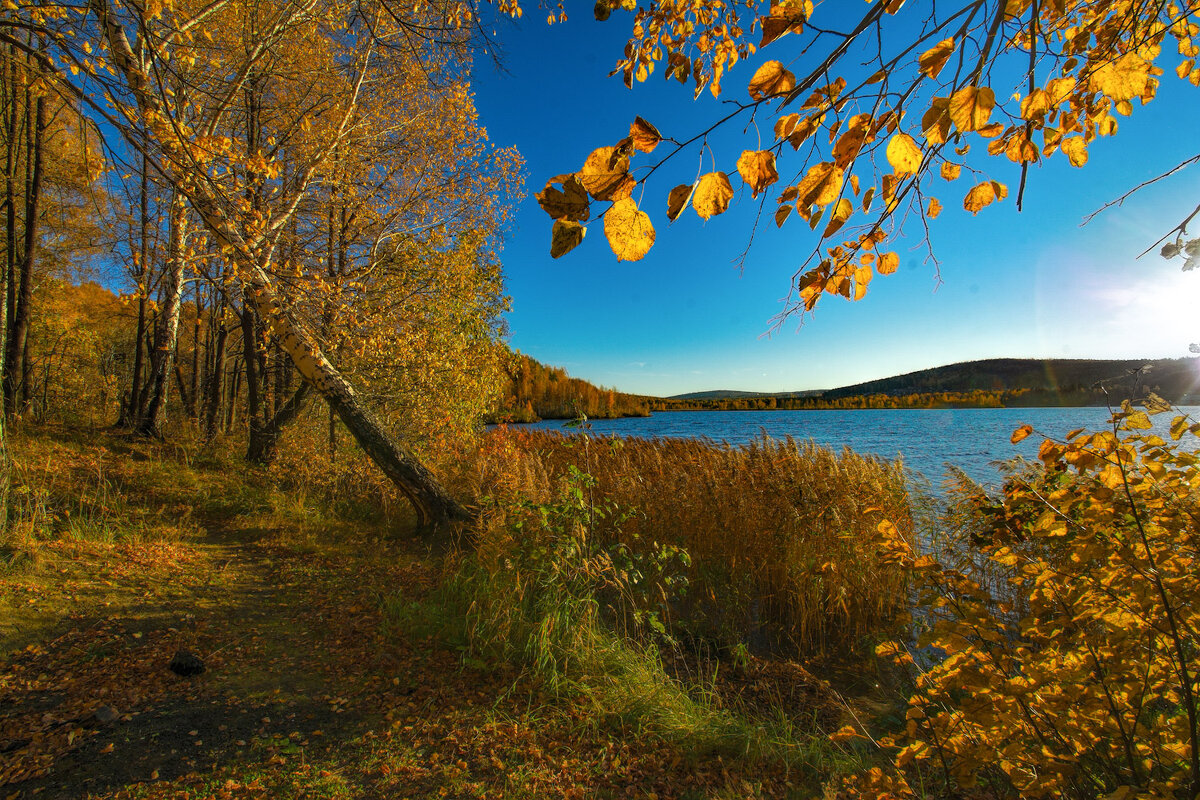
{"type": "Point", "coordinates": [904, 154]}
{"type": "Point", "coordinates": [565, 236]}
{"type": "Point", "coordinates": [569, 203]}
{"type": "Point", "coordinates": [971, 106]}
{"type": "Point", "coordinates": [862, 277]}
{"type": "Point", "coordinates": [1059, 90]}
{"type": "Point", "coordinates": [935, 123]}
{"type": "Point", "coordinates": [1138, 421]}
{"type": "Point", "coordinates": [888, 263]}
{"type": "Point", "coordinates": [785, 18]}
{"type": "Point", "coordinates": [935, 208]}
{"type": "Point", "coordinates": [1019, 149]}
{"type": "Point", "coordinates": [950, 171]}
{"type": "Point", "coordinates": [979, 197]}
{"type": "Point", "coordinates": [677, 200]}
{"type": "Point", "coordinates": [841, 212]}
{"type": "Point", "coordinates": [785, 125]}
{"type": "Point", "coordinates": [845, 734]}
{"type": "Point", "coordinates": [1075, 149]}
{"type": "Point", "coordinates": [781, 215]}
{"type": "Point", "coordinates": [804, 129]}
{"type": "Point", "coordinates": [1021, 433]}
{"type": "Point", "coordinates": [933, 59]}
{"type": "Point", "coordinates": [821, 185]}
{"type": "Point", "coordinates": [712, 196]}
{"type": "Point", "coordinates": [857, 134]}
{"type": "Point", "coordinates": [629, 231]}
{"type": "Point", "coordinates": [772, 78]}
{"type": "Point", "coordinates": [992, 131]}
{"type": "Point", "coordinates": [1035, 105]}
{"type": "Point", "coordinates": [605, 174]}
{"type": "Point", "coordinates": [645, 137]}
{"type": "Point", "coordinates": [757, 168]}
{"type": "Point", "coordinates": [1123, 79]}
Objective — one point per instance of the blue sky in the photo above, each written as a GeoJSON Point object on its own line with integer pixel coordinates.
{"type": "Point", "coordinates": [686, 318]}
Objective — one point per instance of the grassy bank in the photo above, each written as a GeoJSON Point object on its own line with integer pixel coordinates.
{"type": "Point", "coordinates": [347, 658]}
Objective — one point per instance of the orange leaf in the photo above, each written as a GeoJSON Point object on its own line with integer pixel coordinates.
{"type": "Point", "coordinates": [771, 79]}
{"type": "Point", "coordinates": [933, 59]}
{"type": "Point", "coordinates": [935, 122]}
{"type": "Point", "coordinates": [979, 197]}
{"type": "Point", "coordinates": [1075, 149]}
{"type": "Point", "coordinates": [645, 137]}
{"type": "Point", "coordinates": [712, 196]}
{"type": "Point", "coordinates": [677, 200]}
{"type": "Point", "coordinates": [629, 231]}
{"type": "Point", "coordinates": [570, 203]}
{"type": "Point", "coordinates": [757, 168]}
{"type": "Point", "coordinates": [971, 106]}
{"type": "Point", "coordinates": [605, 174]}
{"type": "Point", "coordinates": [565, 236]}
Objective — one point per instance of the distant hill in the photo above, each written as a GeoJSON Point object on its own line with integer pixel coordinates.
{"type": "Point", "coordinates": [991, 382]}
{"type": "Point", "coordinates": [1059, 380]}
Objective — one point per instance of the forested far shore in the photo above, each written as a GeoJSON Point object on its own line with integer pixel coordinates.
{"type": "Point", "coordinates": [535, 391]}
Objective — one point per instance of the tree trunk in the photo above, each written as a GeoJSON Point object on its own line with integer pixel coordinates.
{"type": "Point", "coordinates": [12, 128]}
{"type": "Point", "coordinates": [166, 332]}
{"type": "Point", "coordinates": [252, 358]}
{"type": "Point", "coordinates": [216, 380]}
{"type": "Point", "coordinates": [432, 504]}
{"type": "Point", "coordinates": [129, 414]}
{"type": "Point", "coordinates": [235, 390]}
{"type": "Point", "coordinates": [194, 404]}
{"type": "Point", "coordinates": [264, 447]}
{"type": "Point", "coordinates": [14, 368]}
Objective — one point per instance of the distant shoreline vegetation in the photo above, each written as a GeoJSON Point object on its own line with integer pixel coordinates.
{"type": "Point", "coordinates": [539, 392]}
{"type": "Point", "coordinates": [536, 392]}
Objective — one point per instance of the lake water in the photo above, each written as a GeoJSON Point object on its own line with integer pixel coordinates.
{"type": "Point", "coordinates": [972, 439]}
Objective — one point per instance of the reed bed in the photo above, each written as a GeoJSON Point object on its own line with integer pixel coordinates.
{"type": "Point", "coordinates": [781, 534]}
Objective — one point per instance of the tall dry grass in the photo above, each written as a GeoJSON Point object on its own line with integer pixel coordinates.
{"type": "Point", "coordinates": [781, 533]}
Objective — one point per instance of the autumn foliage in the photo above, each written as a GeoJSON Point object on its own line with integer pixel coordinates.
{"type": "Point", "coordinates": [1059, 655]}
{"type": "Point", "coordinates": [902, 100]}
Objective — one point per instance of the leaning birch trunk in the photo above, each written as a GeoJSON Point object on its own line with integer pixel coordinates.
{"type": "Point", "coordinates": [429, 499]}
{"type": "Point", "coordinates": [166, 333]}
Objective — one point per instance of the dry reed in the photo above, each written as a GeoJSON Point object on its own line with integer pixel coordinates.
{"type": "Point", "coordinates": [781, 533]}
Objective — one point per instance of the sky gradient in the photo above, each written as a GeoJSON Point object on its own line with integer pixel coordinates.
{"type": "Point", "coordinates": [687, 318]}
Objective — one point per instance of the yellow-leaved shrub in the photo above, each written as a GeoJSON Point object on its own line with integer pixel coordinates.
{"type": "Point", "coordinates": [1060, 652]}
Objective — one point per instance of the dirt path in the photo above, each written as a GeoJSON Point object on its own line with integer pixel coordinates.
{"type": "Point", "coordinates": [292, 643]}
{"type": "Point", "coordinates": [305, 694]}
